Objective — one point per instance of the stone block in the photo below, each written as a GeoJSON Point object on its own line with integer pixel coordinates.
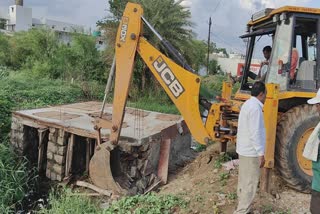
{"type": "Point", "coordinates": [59, 177]}
{"type": "Point", "coordinates": [53, 134]}
{"type": "Point", "coordinates": [59, 169]}
{"type": "Point", "coordinates": [48, 173]}
{"type": "Point", "coordinates": [59, 159]}
{"type": "Point", "coordinates": [53, 176]}
{"type": "Point", "coordinates": [49, 155]}
{"type": "Point", "coordinates": [50, 164]}
{"type": "Point", "coordinates": [61, 150]}
{"type": "Point", "coordinates": [61, 141]}
{"type": "Point", "coordinates": [144, 147]}
{"type": "Point", "coordinates": [142, 184]}
{"type": "Point", "coordinates": [61, 133]}
{"type": "Point", "coordinates": [125, 147]}
{"type": "Point", "coordinates": [133, 172]}
{"type": "Point", "coordinates": [52, 147]}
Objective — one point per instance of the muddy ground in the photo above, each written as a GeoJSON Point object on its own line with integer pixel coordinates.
{"type": "Point", "coordinates": [211, 188]}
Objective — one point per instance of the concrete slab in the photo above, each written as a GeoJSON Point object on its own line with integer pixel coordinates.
{"type": "Point", "coordinates": [139, 126]}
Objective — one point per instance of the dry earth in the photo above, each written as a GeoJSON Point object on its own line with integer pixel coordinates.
{"type": "Point", "coordinates": [211, 189]}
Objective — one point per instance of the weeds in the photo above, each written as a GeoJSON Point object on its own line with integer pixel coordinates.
{"type": "Point", "coordinates": [232, 196]}
{"type": "Point", "coordinates": [223, 178]}
{"type": "Point", "coordinates": [221, 159]}
{"type": "Point", "coordinates": [151, 203]}
{"type": "Point", "coordinates": [65, 201]}
{"type": "Point", "coordinates": [15, 179]}
{"type": "Point", "coordinates": [266, 209]}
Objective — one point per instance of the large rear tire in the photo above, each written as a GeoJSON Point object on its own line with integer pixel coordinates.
{"type": "Point", "coordinates": [294, 128]}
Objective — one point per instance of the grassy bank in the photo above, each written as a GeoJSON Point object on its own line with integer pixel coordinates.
{"type": "Point", "coordinates": [67, 201]}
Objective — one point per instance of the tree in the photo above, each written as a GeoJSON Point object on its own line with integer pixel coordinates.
{"type": "Point", "coordinates": [214, 67]}
{"type": "Point", "coordinates": [169, 18]}
{"type": "Point", "coordinates": [198, 54]}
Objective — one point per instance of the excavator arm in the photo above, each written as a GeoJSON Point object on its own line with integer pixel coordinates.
{"type": "Point", "coordinates": [181, 85]}
{"type": "Point", "coordinates": [178, 81]}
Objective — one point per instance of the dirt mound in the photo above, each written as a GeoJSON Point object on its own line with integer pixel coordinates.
{"type": "Point", "coordinates": [210, 188]}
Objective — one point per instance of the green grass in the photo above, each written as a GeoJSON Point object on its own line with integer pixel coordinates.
{"type": "Point", "coordinates": [65, 201]}
{"type": "Point", "coordinates": [221, 159]}
{"type": "Point", "coordinates": [21, 91]}
{"type": "Point", "coordinates": [15, 178]}
{"type": "Point", "coordinates": [150, 203]}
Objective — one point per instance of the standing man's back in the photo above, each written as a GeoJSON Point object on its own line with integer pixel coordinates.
{"type": "Point", "coordinates": [251, 139]}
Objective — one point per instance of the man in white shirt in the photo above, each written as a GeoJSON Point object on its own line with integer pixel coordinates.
{"type": "Point", "coordinates": [251, 139]}
{"type": "Point", "coordinates": [312, 152]}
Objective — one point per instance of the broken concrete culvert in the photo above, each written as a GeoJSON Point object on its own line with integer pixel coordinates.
{"type": "Point", "coordinates": [61, 141]}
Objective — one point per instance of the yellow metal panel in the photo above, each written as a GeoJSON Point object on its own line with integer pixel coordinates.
{"type": "Point", "coordinates": [292, 94]}
{"type": "Point", "coordinates": [293, 9]}
{"type": "Point", "coordinates": [213, 119]}
{"type": "Point", "coordinates": [181, 85]}
{"type": "Point", "coordinates": [242, 96]}
{"type": "Point", "coordinates": [226, 90]}
{"type": "Point", "coordinates": [126, 45]}
{"type": "Point", "coordinates": [270, 120]}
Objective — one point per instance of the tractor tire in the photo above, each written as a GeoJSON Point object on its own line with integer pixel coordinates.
{"type": "Point", "coordinates": [293, 130]}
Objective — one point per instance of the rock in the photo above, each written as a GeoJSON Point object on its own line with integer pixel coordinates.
{"type": "Point", "coordinates": [105, 205]}
{"type": "Point", "coordinates": [141, 184]}
{"type": "Point", "coordinates": [61, 141]}
{"type": "Point", "coordinates": [133, 172]}
{"type": "Point", "coordinates": [140, 164]}
{"type": "Point", "coordinates": [59, 159]}
{"type": "Point", "coordinates": [277, 196]}
{"type": "Point", "coordinates": [58, 168]}
{"type": "Point", "coordinates": [48, 173]}
{"type": "Point", "coordinates": [215, 171]}
{"type": "Point", "coordinates": [144, 147]}
{"type": "Point", "coordinates": [125, 147]}
{"type": "Point", "coordinates": [61, 150]}
{"type": "Point", "coordinates": [52, 147]}
{"type": "Point", "coordinates": [50, 155]}
{"type": "Point", "coordinates": [133, 191]}
{"type": "Point", "coordinates": [147, 169]}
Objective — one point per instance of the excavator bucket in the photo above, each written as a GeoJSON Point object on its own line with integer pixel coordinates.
{"type": "Point", "coordinates": [100, 169]}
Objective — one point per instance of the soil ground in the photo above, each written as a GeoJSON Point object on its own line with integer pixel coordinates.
{"type": "Point", "coordinates": [211, 189]}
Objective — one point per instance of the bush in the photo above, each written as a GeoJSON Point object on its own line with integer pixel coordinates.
{"type": "Point", "coordinates": [212, 85]}
{"type": "Point", "coordinates": [15, 178]}
{"type": "Point", "coordinates": [65, 201]}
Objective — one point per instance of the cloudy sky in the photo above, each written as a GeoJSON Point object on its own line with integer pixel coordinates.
{"type": "Point", "coordinates": [229, 17]}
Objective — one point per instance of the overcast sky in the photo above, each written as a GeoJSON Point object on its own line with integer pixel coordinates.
{"type": "Point", "coordinates": [229, 17]}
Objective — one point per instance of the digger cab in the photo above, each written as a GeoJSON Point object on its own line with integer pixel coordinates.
{"type": "Point", "coordinates": [292, 33]}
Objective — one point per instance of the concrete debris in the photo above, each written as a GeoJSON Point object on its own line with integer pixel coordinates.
{"type": "Point", "coordinates": [231, 164]}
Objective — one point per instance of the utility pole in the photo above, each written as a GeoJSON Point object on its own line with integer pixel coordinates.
{"type": "Point", "coordinates": [208, 45]}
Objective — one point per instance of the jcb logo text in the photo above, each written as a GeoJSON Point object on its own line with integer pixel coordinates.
{"type": "Point", "coordinates": [124, 29]}
{"type": "Point", "coordinates": [168, 77]}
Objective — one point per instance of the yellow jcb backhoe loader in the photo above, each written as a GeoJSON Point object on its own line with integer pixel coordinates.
{"type": "Point", "coordinates": [288, 119]}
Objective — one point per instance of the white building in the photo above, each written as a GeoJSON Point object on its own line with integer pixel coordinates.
{"type": "Point", "coordinates": [19, 18]}
{"type": "Point", "coordinates": [234, 63]}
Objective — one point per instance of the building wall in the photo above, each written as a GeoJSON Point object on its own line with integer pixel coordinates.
{"type": "Point", "coordinates": [20, 18]}
{"type": "Point", "coordinates": [228, 65]}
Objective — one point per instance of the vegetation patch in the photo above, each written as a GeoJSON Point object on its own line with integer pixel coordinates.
{"type": "Point", "coordinates": [66, 201]}
{"type": "Point", "coordinates": [150, 203]}
{"type": "Point", "coordinates": [15, 179]}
